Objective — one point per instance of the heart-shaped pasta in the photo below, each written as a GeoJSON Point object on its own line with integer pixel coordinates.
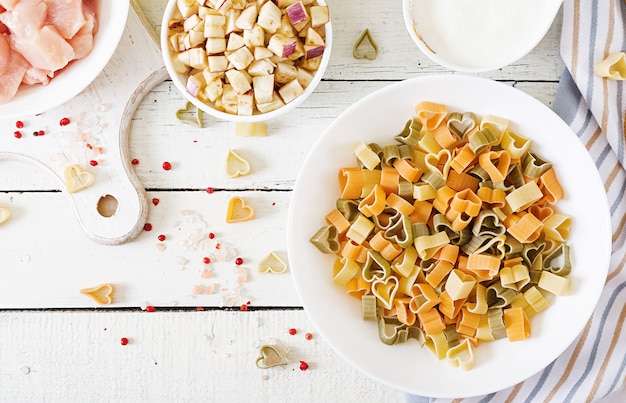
{"type": "Point", "coordinates": [5, 214]}
{"type": "Point", "coordinates": [102, 294]}
{"type": "Point", "coordinates": [76, 179]}
{"type": "Point", "coordinates": [236, 165]}
{"type": "Point", "coordinates": [385, 290]}
{"type": "Point", "coordinates": [190, 114]}
{"type": "Point", "coordinates": [270, 357]}
{"type": "Point", "coordinates": [272, 263]}
{"type": "Point", "coordinates": [238, 211]}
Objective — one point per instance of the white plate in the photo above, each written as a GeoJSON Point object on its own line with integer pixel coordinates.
{"type": "Point", "coordinates": [500, 364]}
{"type": "Point", "coordinates": [31, 100]}
{"type": "Point", "coordinates": [478, 35]}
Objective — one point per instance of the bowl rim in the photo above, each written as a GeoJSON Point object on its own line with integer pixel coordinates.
{"type": "Point", "coordinates": [29, 101]}
{"type": "Point", "coordinates": [259, 117]}
{"type": "Point", "coordinates": [409, 23]}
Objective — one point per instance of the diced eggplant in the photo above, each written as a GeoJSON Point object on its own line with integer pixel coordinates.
{"type": "Point", "coordinates": [297, 13]}
{"type": "Point", "coordinates": [195, 83]}
{"type": "Point", "coordinates": [290, 91]}
{"type": "Point", "coordinates": [235, 41]}
{"type": "Point", "coordinates": [276, 103]}
{"type": "Point", "coordinates": [231, 21]}
{"type": "Point", "coordinates": [261, 52]}
{"type": "Point", "coordinates": [214, 90]}
{"type": "Point", "coordinates": [217, 63]}
{"type": "Point", "coordinates": [241, 58]}
{"type": "Point", "coordinates": [305, 77]}
{"type": "Point", "coordinates": [254, 37]}
{"type": "Point", "coordinates": [187, 8]}
{"type": "Point", "coordinates": [313, 51]}
{"type": "Point", "coordinates": [282, 45]}
{"type": "Point", "coordinates": [210, 76]}
{"type": "Point", "coordinates": [311, 64]}
{"type": "Point", "coordinates": [261, 67]}
{"type": "Point", "coordinates": [215, 26]}
{"type": "Point", "coordinates": [195, 57]}
{"type": "Point", "coordinates": [229, 99]}
{"type": "Point", "coordinates": [238, 81]}
{"type": "Point", "coordinates": [263, 88]}
{"type": "Point", "coordinates": [245, 104]}
{"type": "Point", "coordinates": [193, 39]}
{"type": "Point", "coordinates": [247, 18]}
{"type": "Point", "coordinates": [191, 22]}
{"type": "Point", "coordinates": [269, 17]}
{"type": "Point", "coordinates": [319, 16]}
{"type": "Point", "coordinates": [314, 38]}
{"type": "Point", "coordinates": [285, 72]}
{"type": "Point", "coordinates": [215, 46]}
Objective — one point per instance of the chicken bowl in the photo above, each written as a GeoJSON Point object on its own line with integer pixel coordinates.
{"type": "Point", "coordinates": [51, 50]}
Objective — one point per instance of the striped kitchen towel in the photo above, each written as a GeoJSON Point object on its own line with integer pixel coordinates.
{"type": "Point", "coordinates": [593, 367]}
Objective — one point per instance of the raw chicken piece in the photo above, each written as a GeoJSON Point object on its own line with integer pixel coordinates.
{"type": "Point", "coordinates": [42, 46]}
{"type": "Point", "coordinates": [5, 53]}
{"type": "Point", "coordinates": [82, 42]}
{"type": "Point", "coordinates": [12, 78]}
{"type": "Point", "coordinates": [66, 15]}
{"type": "Point", "coordinates": [8, 4]}
{"type": "Point", "coordinates": [44, 49]}
{"type": "Point", "coordinates": [36, 76]}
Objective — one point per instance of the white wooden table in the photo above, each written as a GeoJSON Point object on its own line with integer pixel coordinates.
{"type": "Point", "coordinates": [58, 345]}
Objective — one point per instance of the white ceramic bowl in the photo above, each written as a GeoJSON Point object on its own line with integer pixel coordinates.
{"type": "Point", "coordinates": [31, 100]}
{"type": "Point", "coordinates": [181, 79]}
{"type": "Point", "coordinates": [499, 364]}
{"type": "Point", "coordinates": [478, 35]}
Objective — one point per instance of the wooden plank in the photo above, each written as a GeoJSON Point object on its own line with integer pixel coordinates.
{"type": "Point", "coordinates": [198, 155]}
{"type": "Point", "coordinates": [47, 259]}
{"type": "Point", "coordinates": [172, 356]}
{"type": "Point", "coordinates": [399, 57]}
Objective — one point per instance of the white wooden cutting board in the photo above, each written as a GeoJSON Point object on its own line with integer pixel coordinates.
{"type": "Point", "coordinates": [113, 209]}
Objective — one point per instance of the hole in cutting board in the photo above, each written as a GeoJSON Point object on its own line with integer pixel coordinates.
{"type": "Point", "coordinates": [107, 206]}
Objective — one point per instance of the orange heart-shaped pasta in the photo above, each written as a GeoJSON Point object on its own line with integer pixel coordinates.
{"type": "Point", "coordinates": [102, 294]}
{"type": "Point", "coordinates": [238, 211]}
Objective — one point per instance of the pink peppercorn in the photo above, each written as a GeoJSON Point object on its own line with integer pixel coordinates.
{"type": "Point", "coordinates": [134, 161]}
{"type": "Point", "coordinates": [211, 235]}
{"type": "Point", "coordinates": [124, 341]}
{"type": "Point", "coordinates": [93, 163]}
{"type": "Point", "coordinates": [155, 201]}
{"type": "Point", "coordinates": [17, 134]}
{"type": "Point", "coordinates": [239, 261]}
{"type": "Point", "coordinates": [167, 166]}
{"type": "Point", "coordinates": [161, 237]}
{"type": "Point", "coordinates": [206, 260]}
{"type": "Point", "coordinates": [64, 122]}
{"type": "Point", "coordinates": [303, 366]}
{"type": "Point", "coordinates": [19, 124]}
{"type": "Point", "coordinates": [147, 227]}
{"type": "Point", "coordinates": [292, 331]}
{"type": "Point", "coordinates": [150, 308]}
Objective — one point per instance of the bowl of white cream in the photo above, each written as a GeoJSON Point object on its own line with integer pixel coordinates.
{"type": "Point", "coordinates": [478, 35]}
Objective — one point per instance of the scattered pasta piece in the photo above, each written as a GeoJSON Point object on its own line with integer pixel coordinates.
{"type": "Point", "coordinates": [257, 129]}
{"type": "Point", "coordinates": [76, 179]}
{"type": "Point", "coordinates": [190, 114]}
{"type": "Point", "coordinates": [272, 263]}
{"type": "Point", "coordinates": [613, 67]}
{"type": "Point", "coordinates": [102, 294]}
{"type": "Point", "coordinates": [449, 236]}
{"type": "Point", "coordinates": [270, 357]}
{"type": "Point", "coordinates": [5, 214]}
{"type": "Point", "coordinates": [365, 47]}
{"type": "Point", "coordinates": [238, 211]}
{"type": "Point", "coordinates": [236, 165]}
